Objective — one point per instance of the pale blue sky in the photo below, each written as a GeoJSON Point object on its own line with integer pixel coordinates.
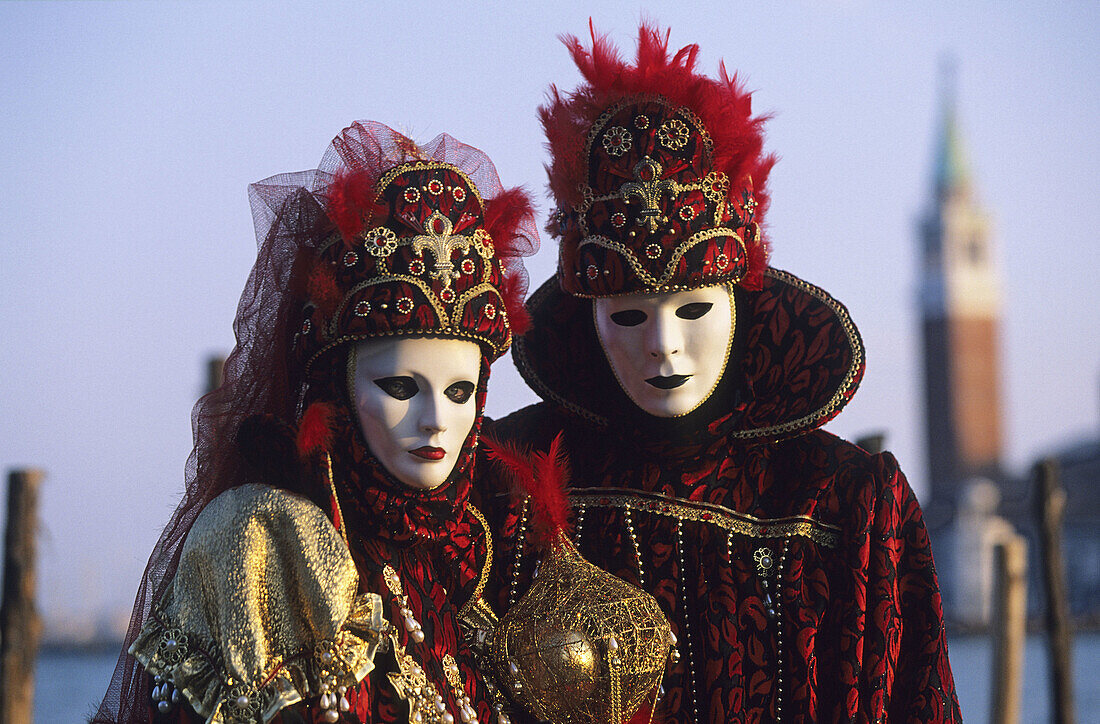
{"type": "Point", "coordinates": [131, 130]}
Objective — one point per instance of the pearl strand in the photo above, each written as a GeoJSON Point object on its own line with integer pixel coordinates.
{"type": "Point", "coordinates": [629, 518]}
{"type": "Point", "coordinates": [521, 537]}
{"type": "Point", "coordinates": [686, 617]}
{"type": "Point", "coordinates": [779, 658]}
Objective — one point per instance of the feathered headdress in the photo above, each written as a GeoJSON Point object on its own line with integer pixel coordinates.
{"type": "Point", "coordinates": [428, 243]}
{"type": "Point", "coordinates": [658, 172]}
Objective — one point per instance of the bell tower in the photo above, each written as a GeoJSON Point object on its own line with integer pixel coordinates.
{"type": "Point", "coordinates": [960, 300]}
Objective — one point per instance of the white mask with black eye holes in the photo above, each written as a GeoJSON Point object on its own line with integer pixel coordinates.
{"type": "Point", "coordinates": [415, 399]}
{"type": "Point", "coordinates": [668, 351]}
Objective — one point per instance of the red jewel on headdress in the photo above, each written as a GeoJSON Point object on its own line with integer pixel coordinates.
{"type": "Point", "coordinates": [404, 305]}
{"type": "Point", "coordinates": [592, 271]}
{"type": "Point", "coordinates": [490, 311]}
{"type": "Point", "coordinates": [618, 219]}
{"type": "Point", "coordinates": [447, 295]}
{"type": "Point", "coordinates": [416, 267]}
{"type": "Point", "coordinates": [459, 194]}
{"type": "Point", "coordinates": [641, 122]}
{"type": "Point", "coordinates": [722, 261]}
{"type": "Point", "coordinates": [653, 250]}
{"type": "Point", "coordinates": [306, 326]}
{"type": "Point", "coordinates": [362, 309]}
{"type": "Point", "coordinates": [467, 266]}
{"type": "Point", "coordinates": [435, 187]}
{"type": "Point", "coordinates": [412, 195]}
{"type": "Point", "coordinates": [687, 213]}
{"type": "Point", "coordinates": [350, 258]}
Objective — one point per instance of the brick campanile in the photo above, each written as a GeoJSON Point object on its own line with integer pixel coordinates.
{"type": "Point", "coordinates": [960, 299]}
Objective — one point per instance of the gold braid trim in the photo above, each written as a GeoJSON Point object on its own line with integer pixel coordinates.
{"type": "Point", "coordinates": [486, 567]}
{"type": "Point", "coordinates": [660, 283]}
{"type": "Point", "coordinates": [823, 534]}
{"type": "Point", "coordinates": [847, 385]}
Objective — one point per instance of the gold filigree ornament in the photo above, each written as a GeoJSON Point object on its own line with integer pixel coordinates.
{"type": "Point", "coordinates": [648, 187]}
{"type": "Point", "coordinates": [393, 582]}
{"type": "Point", "coordinates": [582, 646]}
{"type": "Point", "coordinates": [410, 681]}
{"type": "Point", "coordinates": [454, 678]}
{"type": "Point", "coordinates": [379, 241]}
{"type": "Point", "coordinates": [439, 240]}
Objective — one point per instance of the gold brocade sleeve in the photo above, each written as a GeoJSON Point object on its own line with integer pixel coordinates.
{"type": "Point", "coordinates": [262, 612]}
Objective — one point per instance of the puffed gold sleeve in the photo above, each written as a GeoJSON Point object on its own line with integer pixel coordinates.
{"type": "Point", "coordinates": [262, 612]}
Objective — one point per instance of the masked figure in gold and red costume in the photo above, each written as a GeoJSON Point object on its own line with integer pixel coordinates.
{"type": "Point", "coordinates": [691, 381]}
{"type": "Point", "coordinates": [326, 563]}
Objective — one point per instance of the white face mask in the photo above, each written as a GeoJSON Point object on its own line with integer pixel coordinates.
{"type": "Point", "coordinates": [668, 351]}
{"type": "Point", "coordinates": [415, 398]}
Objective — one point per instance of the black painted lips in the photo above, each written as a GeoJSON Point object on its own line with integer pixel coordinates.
{"type": "Point", "coordinates": [668, 383]}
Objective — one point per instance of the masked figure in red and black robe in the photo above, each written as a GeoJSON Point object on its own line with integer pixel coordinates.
{"type": "Point", "coordinates": [691, 381]}
{"type": "Point", "coordinates": [326, 563]}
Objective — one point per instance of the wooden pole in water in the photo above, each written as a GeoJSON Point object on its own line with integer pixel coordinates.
{"type": "Point", "coordinates": [1010, 629]}
{"type": "Point", "coordinates": [19, 624]}
{"type": "Point", "coordinates": [1049, 508]}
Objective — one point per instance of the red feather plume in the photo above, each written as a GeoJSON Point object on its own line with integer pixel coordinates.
{"type": "Point", "coordinates": [512, 291]}
{"type": "Point", "coordinates": [349, 202]}
{"type": "Point", "coordinates": [315, 429]}
{"type": "Point", "coordinates": [723, 105]}
{"type": "Point", "coordinates": [322, 289]}
{"type": "Point", "coordinates": [543, 477]}
{"type": "Point", "coordinates": [505, 214]}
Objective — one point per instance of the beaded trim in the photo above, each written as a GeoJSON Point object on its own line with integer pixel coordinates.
{"type": "Point", "coordinates": [681, 578]}
{"type": "Point", "coordinates": [823, 534]}
{"type": "Point", "coordinates": [661, 283]}
{"type": "Point", "coordinates": [517, 561]}
{"type": "Point", "coordinates": [487, 566]}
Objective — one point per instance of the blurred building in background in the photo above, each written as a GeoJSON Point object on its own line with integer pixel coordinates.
{"type": "Point", "coordinates": [974, 503]}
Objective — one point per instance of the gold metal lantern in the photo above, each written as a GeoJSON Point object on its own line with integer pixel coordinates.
{"type": "Point", "coordinates": [582, 646]}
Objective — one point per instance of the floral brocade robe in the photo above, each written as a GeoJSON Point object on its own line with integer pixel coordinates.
{"type": "Point", "coordinates": [794, 567]}
{"type": "Point", "coordinates": [797, 576]}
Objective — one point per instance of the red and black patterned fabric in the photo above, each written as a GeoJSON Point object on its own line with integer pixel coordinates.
{"type": "Point", "coordinates": [794, 567]}
{"type": "Point", "coordinates": [438, 548]}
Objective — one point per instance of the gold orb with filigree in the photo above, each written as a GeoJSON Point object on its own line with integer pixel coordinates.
{"type": "Point", "coordinates": [582, 646]}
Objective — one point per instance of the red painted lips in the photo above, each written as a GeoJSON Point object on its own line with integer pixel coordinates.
{"type": "Point", "coordinates": [428, 452]}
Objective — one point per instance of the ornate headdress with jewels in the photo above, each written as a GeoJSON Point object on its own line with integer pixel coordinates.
{"type": "Point", "coordinates": [658, 173]}
{"type": "Point", "coordinates": [422, 248]}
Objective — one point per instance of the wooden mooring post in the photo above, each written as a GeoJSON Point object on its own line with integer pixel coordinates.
{"type": "Point", "coordinates": [1050, 504]}
{"type": "Point", "coordinates": [19, 623]}
{"type": "Point", "coordinates": [1009, 628]}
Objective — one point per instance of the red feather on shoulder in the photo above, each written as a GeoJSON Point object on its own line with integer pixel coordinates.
{"type": "Point", "coordinates": [315, 429]}
{"type": "Point", "coordinates": [542, 476]}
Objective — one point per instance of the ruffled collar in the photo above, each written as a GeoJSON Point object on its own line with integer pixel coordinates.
{"type": "Point", "coordinates": [799, 360]}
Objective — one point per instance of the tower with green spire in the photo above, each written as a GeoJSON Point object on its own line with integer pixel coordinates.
{"type": "Point", "coordinates": [960, 300]}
